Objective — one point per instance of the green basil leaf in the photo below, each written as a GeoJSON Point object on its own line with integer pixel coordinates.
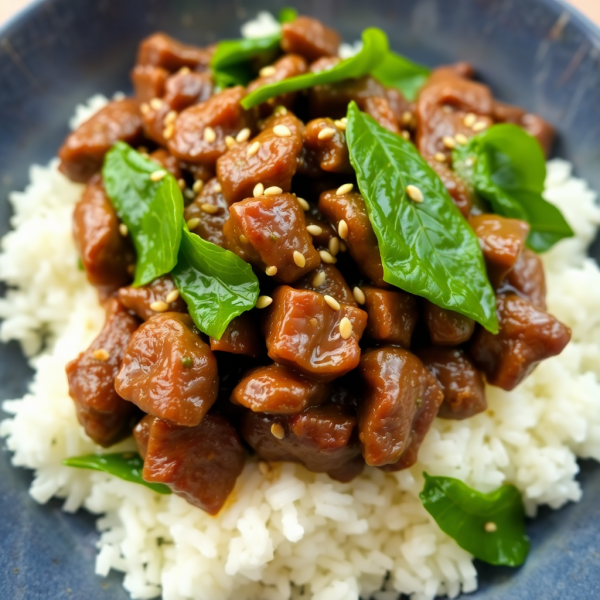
{"type": "Point", "coordinates": [287, 15]}
{"type": "Point", "coordinates": [152, 211]}
{"type": "Point", "coordinates": [398, 72]}
{"type": "Point", "coordinates": [216, 284]}
{"type": "Point", "coordinates": [427, 248]}
{"type": "Point", "coordinates": [125, 465]}
{"type": "Point", "coordinates": [506, 166]}
{"type": "Point", "coordinates": [374, 50]}
{"type": "Point", "coordinates": [489, 526]}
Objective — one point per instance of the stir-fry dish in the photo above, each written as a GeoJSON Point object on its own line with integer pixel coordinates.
{"type": "Point", "coordinates": [304, 258]}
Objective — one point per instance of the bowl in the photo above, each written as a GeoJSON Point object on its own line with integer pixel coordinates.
{"type": "Point", "coordinates": [540, 54]}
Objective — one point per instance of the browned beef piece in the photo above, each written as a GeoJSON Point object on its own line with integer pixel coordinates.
{"type": "Point", "coordinates": [361, 240]}
{"type": "Point", "coordinates": [240, 337]}
{"type": "Point", "coordinates": [270, 159]}
{"type": "Point", "coordinates": [458, 189]}
{"type": "Point", "coordinates": [446, 327]}
{"type": "Point", "coordinates": [528, 279]}
{"type": "Point", "coordinates": [270, 231]}
{"type": "Point", "coordinates": [141, 434]}
{"type": "Point", "coordinates": [527, 336]}
{"type": "Point", "coordinates": [330, 283]}
{"type": "Point", "coordinates": [200, 131]}
{"type": "Point", "coordinates": [461, 382]}
{"type": "Point", "coordinates": [321, 438]}
{"type": "Point", "coordinates": [167, 161]}
{"type": "Point", "coordinates": [149, 82]}
{"type": "Point", "coordinates": [200, 464]}
{"type": "Point", "coordinates": [402, 399]}
{"type": "Point", "coordinates": [400, 106]}
{"type": "Point", "coordinates": [106, 255]}
{"type": "Point", "coordinates": [160, 50]}
{"type": "Point", "coordinates": [501, 241]}
{"type": "Point", "coordinates": [380, 109]}
{"type": "Point", "coordinates": [104, 415]}
{"type": "Point", "coordinates": [309, 38]}
{"type": "Point", "coordinates": [168, 371]}
{"type": "Point", "coordinates": [303, 332]}
{"type": "Point", "coordinates": [82, 153]}
{"type": "Point", "coordinates": [156, 121]}
{"type": "Point", "coordinates": [141, 300]}
{"type": "Point", "coordinates": [327, 154]}
{"type": "Point", "coordinates": [185, 88]}
{"type": "Point", "coordinates": [276, 389]}
{"type": "Point", "coordinates": [393, 315]}
{"type": "Point", "coordinates": [211, 210]}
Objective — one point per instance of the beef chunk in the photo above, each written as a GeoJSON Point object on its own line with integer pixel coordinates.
{"type": "Point", "coordinates": [402, 399]}
{"type": "Point", "coordinates": [149, 82]}
{"type": "Point", "coordinates": [160, 50]}
{"type": "Point", "coordinates": [327, 280]}
{"type": "Point", "coordinates": [141, 434]}
{"type": "Point", "coordinates": [104, 415]}
{"type": "Point", "coordinates": [82, 153]}
{"type": "Point", "coordinates": [143, 300]}
{"type": "Point", "coordinates": [309, 38]}
{"type": "Point", "coordinates": [456, 186]}
{"type": "Point", "coordinates": [240, 337]}
{"type": "Point", "coordinates": [446, 327]}
{"type": "Point", "coordinates": [326, 153]}
{"type": "Point", "coordinates": [185, 88]}
{"type": "Point", "coordinates": [168, 371]}
{"type": "Point", "coordinates": [527, 336]}
{"type": "Point", "coordinates": [208, 213]}
{"type": "Point", "coordinates": [528, 279]}
{"type": "Point", "coordinates": [380, 109]}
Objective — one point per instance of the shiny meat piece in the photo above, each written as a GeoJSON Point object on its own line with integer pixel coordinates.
{"type": "Point", "coordinates": [380, 109]}
{"type": "Point", "coordinates": [106, 255]}
{"type": "Point", "coordinates": [457, 188]}
{"type": "Point", "coordinates": [185, 88]}
{"type": "Point", "coordinates": [211, 210]}
{"type": "Point", "coordinates": [309, 38]}
{"type": "Point", "coordinates": [400, 105]}
{"type": "Point", "coordinates": [392, 315]}
{"type": "Point", "coordinates": [155, 121]}
{"type": "Point", "coordinates": [328, 154]}
{"type": "Point", "coordinates": [321, 438]}
{"type": "Point", "coordinates": [200, 130]}
{"type": "Point", "coordinates": [141, 434]}
{"type": "Point", "coordinates": [501, 241]}
{"type": "Point", "coordinates": [270, 159]}
{"type": "Point", "coordinates": [446, 327]}
{"type": "Point", "coordinates": [149, 82]}
{"type": "Point", "coordinates": [361, 240]}
{"type": "Point", "coordinates": [168, 371]}
{"type": "Point", "coordinates": [303, 332]}
{"type": "Point", "coordinates": [527, 336]}
{"type": "Point", "coordinates": [528, 279]}
{"type": "Point", "coordinates": [240, 337]}
{"type": "Point", "coordinates": [200, 464]}
{"type": "Point", "coordinates": [104, 415]}
{"type": "Point", "coordinates": [402, 399]}
{"type": "Point", "coordinates": [461, 382]}
{"type": "Point", "coordinates": [279, 390]}
{"type": "Point", "coordinates": [160, 50]}
{"type": "Point", "coordinates": [269, 231]}
{"type": "Point", "coordinates": [83, 151]}
{"type": "Point", "coordinates": [140, 300]}
{"type": "Point", "coordinates": [330, 283]}
{"type": "Point", "coordinates": [167, 161]}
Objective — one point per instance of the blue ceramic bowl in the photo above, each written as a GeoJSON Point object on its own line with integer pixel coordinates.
{"type": "Point", "coordinates": [536, 53]}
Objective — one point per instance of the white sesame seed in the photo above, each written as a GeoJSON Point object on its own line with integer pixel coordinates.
{"type": "Point", "coordinates": [332, 302]}
{"type": "Point", "coordinates": [314, 322]}
{"type": "Point", "coordinates": [259, 189]}
{"type": "Point", "coordinates": [170, 117]}
{"type": "Point", "coordinates": [299, 259]}
{"type": "Point", "coordinates": [461, 139]}
{"type": "Point", "coordinates": [101, 354]}
{"type": "Point", "coordinates": [159, 306]}
{"type": "Point", "coordinates": [414, 193]}
{"type": "Point", "coordinates": [253, 148]}
{"type": "Point", "coordinates": [440, 157]}
{"type": "Point", "coordinates": [123, 229]}
{"type": "Point", "coordinates": [273, 191]}
{"type": "Point", "coordinates": [406, 135]}
{"type": "Point", "coordinates": [490, 527]}
{"type": "Point", "coordinates": [168, 132]}
{"type": "Point", "coordinates": [210, 135]}
{"type": "Point", "coordinates": [407, 118]}
{"type": "Point", "coordinates": [217, 188]}
{"type": "Point", "coordinates": [344, 120]}
{"type": "Point", "coordinates": [209, 209]}
{"type": "Point", "coordinates": [344, 189]}
{"type": "Point", "coordinates": [359, 295]}
{"type": "Point", "coordinates": [184, 70]}
{"type": "Point", "coordinates": [314, 230]}
{"type": "Point", "coordinates": [264, 301]}
{"type": "Point", "coordinates": [319, 279]}
{"type": "Point", "coordinates": [326, 257]}
{"type": "Point", "coordinates": [181, 183]}
{"type": "Point", "coordinates": [282, 131]}
{"type": "Point", "coordinates": [189, 194]}
{"type": "Point", "coordinates": [303, 203]}
{"type": "Point", "coordinates": [280, 110]}
{"type": "Point", "coordinates": [243, 239]}
{"type": "Point", "coordinates": [267, 71]}
{"type": "Point", "coordinates": [469, 120]}
{"type": "Point", "coordinates": [345, 328]}
{"type": "Point", "coordinates": [229, 141]}
{"type": "Point", "coordinates": [278, 431]}
{"type": "Point", "coordinates": [326, 134]}
{"type": "Point", "coordinates": [198, 185]}
{"type": "Point", "coordinates": [243, 135]}
{"type": "Point", "coordinates": [193, 223]}
{"type": "Point", "coordinates": [156, 103]}
{"type": "Point", "coordinates": [158, 175]}
{"type": "Point", "coordinates": [145, 108]}
{"type": "Point", "coordinates": [334, 246]}
{"type": "Point", "coordinates": [340, 125]}
{"type": "Point", "coordinates": [480, 126]}
{"type": "Point", "coordinates": [469, 161]}
{"type": "Point", "coordinates": [172, 296]}
{"type": "Point", "coordinates": [270, 271]}
{"type": "Point", "coordinates": [449, 142]}
{"type": "Point", "coordinates": [343, 229]}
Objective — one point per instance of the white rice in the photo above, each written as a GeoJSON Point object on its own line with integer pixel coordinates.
{"type": "Point", "coordinates": [292, 533]}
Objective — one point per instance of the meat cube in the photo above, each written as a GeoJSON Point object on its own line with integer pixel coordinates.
{"type": "Point", "coordinates": [279, 390]}
{"type": "Point", "coordinates": [240, 337]}
{"type": "Point", "coordinates": [105, 416]}
{"type": "Point", "coordinates": [168, 371]}
{"type": "Point", "coordinates": [528, 279]}
{"type": "Point", "coordinates": [361, 240]}
{"type": "Point", "coordinates": [200, 131]}
{"type": "Point", "coordinates": [309, 38]}
{"type": "Point", "coordinates": [200, 463]}
{"type": "Point", "coordinates": [160, 50]}
{"type": "Point", "coordinates": [149, 82]}
{"type": "Point", "coordinates": [269, 231]}
{"type": "Point", "coordinates": [527, 336]}
{"type": "Point", "coordinates": [392, 315]}
{"type": "Point", "coordinates": [446, 327]}
{"type": "Point", "coordinates": [461, 382]}
{"type": "Point", "coordinates": [501, 241]}
{"type": "Point", "coordinates": [270, 159]}
{"type": "Point", "coordinates": [327, 280]}
{"type": "Point", "coordinates": [400, 106]}
{"type": "Point", "coordinates": [321, 438]}
{"type": "Point", "coordinates": [143, 301]}
{"type": "Point", "coordinates": [167, 161]}
{"type": "Point", "coordinates": [328, 153]}
{"type": "Point", "coordinates": [141, 434]}
{"type": "Point", "coordinates": [208, 213]}
{"type": "Point", "coordinates": [155, 121]}
{"type": "Point", "coordinates": [82, 153]}
{"type": "Point", "coordinates": [402, 399]}
{"type": "Point", "coordinates": [456, 186]}
{"type": "Point", "coordinates": [380, 109]}
{"type": "Point", "coordinates": [185, 88]}
{"type": "Point", "coordinates": [304, 332]}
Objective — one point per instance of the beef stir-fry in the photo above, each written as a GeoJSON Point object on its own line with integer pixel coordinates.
{"type": "Point", "coordinates": [335, 368]}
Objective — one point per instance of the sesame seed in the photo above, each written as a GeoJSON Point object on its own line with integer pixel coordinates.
{"type": "Point", "coordinates": [171, 117]}
{"type": "Point", "coordinates": [264, 301]}
{"type": "Point", "coordinates": [407, 118]}
{"type": "Point", "coordinates": [172, 296]}
{"type": "Point", "coordinates": [168, 132]}
{"type": "Point", "coordinates": [184, 70]}
{"type": "Point", "coordinates": [159, 306]}
{"type": "Point", "coordinates": [282, 131]}
{"type": "Point", "coordinates": [267, 71]}
{"type": "Point", "coordinates": [334, 246]}
{"type": "Point", "coordinates": [344, 120]}
{"type": "Point", "coordinates": [480, 126]}
{"type": "Point", "coordinates": [440, 157]}
{"type": "Point", "coordinates": [145, 108]}
{"type": "Point", "coordinates": [158, 175]}
{"type": "Point", "coordinates": [181, 183]}
{"type": "Point", "coordinates": [469, 162]}
{"type": "Point", "coordinates": [299, 259]}
{"type": "Point", "coordinates": [270, 271]}
{"type": "Point", "coordinates": [193, 223]}
{"type": "Point", "coordinates": [217, 188]}
{"type": "Point", "coordinates": [101, 354]}
{"type": "Point", "coordinates": [243, 239]}
{"type": "Point", "coordinates": [314, 230]}
{"type": "Point", "coordinates": [447, 109]}
{"type": "Point", "coordinates": [319, 279]}
{"type": "Point", "coordinates": [326, 257]}
{"type": "Point", "coordinates": [326, 134]}
{"type": "Point", "coordinates": [303, 203]}
{"type": "Point", "coordinates": [469, 120]}
{"type": "Point", "coordinates": [344, 189]}
{"type": "Point", "coordinates": [156, 103]}
{"type": "Point", "coordinates": [259, 189]}
{"type": "Point", "coordinates": [189, 194]}
{"type": "Point", "coordinates": [343, 229]}
{"type": "Point", "coordinates": [243, 135]}
{"type": "Point", "coordinates": [209, 209]}
{"type": "Point", "coordinates": [280, 110]}
{"type": "Point", "coordinates": [449, 142]}
{"type": "Point", "coordinates": [414, 193]}
{"type": "Point", "coordinates": [359, 295]}
{"type": "Point", "coordinates": [142, 150]}
{"type": "Point", "coordinates": [490, 527]}
{"type": "Point", "coordinates": [313, 322]}
{"type": "Point", "coordinates": [273, 191]}
{"type": "Point", "coordinates": [332, 302]}
{"type": "Point", "coordinates": [345, 328]}
{"type": "Point", "coordinates": [210, 135]}
{"type": "Point", "coordinates": [406, 135]}
{"type": "Point", "coordinates": [229, 141]}
{"type": "Point", "coordinates": [253, 148]}
{"type": "Point", "coordinates": [461, 139]}
{"type": "Point", "coordinates": [278, 431]}
{"type": "Point", "coordinates": [198, 185]}
{"type": "Point", "coordinates": [343, 247]}
{"type": "Point", "coordinates": [123, 229]}
{"type": "Point", "coordinates": [340, 125]}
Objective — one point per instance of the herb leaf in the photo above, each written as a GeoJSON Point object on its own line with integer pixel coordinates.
{"type": "Point", "coordinates": [399, 72]}
{"type": "Point", "coordinates": [216, 284]}
{"type": "Point", "coordinates": [464, 513]}
{"type": "Point", "coordinates": [374, 50]}
{"type": "Point", "coordinates": [507, 167]}
{"type": "Point", "coordinates": [152, 211]}
{"type": "Point", "coordinates": [428, 248]}
{"type": "Point", "coordinates": [287, 15]}
{"type": "Point", "coordinates": [125, 465]}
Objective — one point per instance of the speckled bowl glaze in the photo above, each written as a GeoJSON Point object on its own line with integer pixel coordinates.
{"type": "Point", "coordinates": [537, 53]}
